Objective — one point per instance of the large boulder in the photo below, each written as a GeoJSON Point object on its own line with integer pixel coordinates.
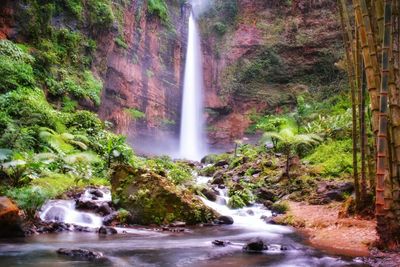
{"type": "Point", "coordinates": [153, 199]}
{"type": "Point", "coordinates": [209, 194]}
{"type": "Point", "coordinates": [10, 219]}
{"type": "Point", "coordinates": [256, 245]}
{"type": "Point", "coordinates": [82, 254]}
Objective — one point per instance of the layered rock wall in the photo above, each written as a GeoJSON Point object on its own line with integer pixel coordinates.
{"type": "Point", "coordinates": [273, 51]}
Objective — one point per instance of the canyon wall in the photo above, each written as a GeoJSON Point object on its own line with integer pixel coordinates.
{"type": "Point", "coordinates": [143, 81]}
{"type": "Point", "coordinates": [139, 58]}
{"type": "Point", "coordinates": [258, 56]}
{"type": "Point", "coordinates": [260, 62]}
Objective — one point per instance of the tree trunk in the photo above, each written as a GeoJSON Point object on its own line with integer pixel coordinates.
{"type": "Point", "coordinates": [351, 59]}
{"type": "Point", "coordinates": [383, 185]}
{"type": "Point", "coordinates": [369, 57]}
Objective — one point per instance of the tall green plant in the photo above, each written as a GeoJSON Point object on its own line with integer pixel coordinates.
{"type": "Point", "coordinates": [289, 139]}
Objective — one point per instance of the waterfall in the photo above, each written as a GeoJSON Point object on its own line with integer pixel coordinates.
{"type": "Point", "coordinates": [192, 138]}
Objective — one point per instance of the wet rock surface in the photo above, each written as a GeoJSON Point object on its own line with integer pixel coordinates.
{"type": "Point", "coordinates": [224, 220]}
{"type": "Point", "coordinates": [82, 254]}
{"type": "Point", "coordinates": [153, 199]}
{"type": "Point", "coordinates": [107, 230]}
{"type": "Point", "coordinates": [10, 219]}
{"type": "Point", "coordinates": [256, 245]}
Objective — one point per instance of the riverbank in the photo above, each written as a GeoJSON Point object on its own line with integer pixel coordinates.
{"type": "Point", "coordinates": [324, 230]}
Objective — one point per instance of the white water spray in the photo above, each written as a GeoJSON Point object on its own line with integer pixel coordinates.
{"type": "Point", "coordinates": [192, 139]}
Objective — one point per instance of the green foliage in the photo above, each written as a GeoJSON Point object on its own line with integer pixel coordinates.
{"type": "Point", "coordinates": [334, 126]}
{"type": "Point", "coordinates": [239, 198]}
{"type": "Point", "coordinates": [68, 105]}
{"type": "Point", "coordinates": [280, 208]}
{"type": "Point", "coordinates": [158, 8]}
{"type": "Point", "coordinates": [177, 172]}
{"type": "Point", "coordinates": [83, 121]}
{"type": "Point", "coordinates": [83, 85]}
{"type": "Point", "coordinates": [75, 7]}
{"type": "Point", "coordinates": [15, 67]}
{"type": "Point", "coordinates": [100, 13]}
{"type": "Point", "coordinates": [121, 42]}
{"type": "Point", "coordinates": [112, 148]}
{"type": "Point", "coordinates": [123, 216]}
{"type": "Point", "coordinates": [14, 52]}
{"type": "Point", "coordinates": [220, 28]}
{"type": "Point", "coordinates": [29, 107]}
{"type": "Point", "coordinates": [135, 113]}
{"type": "Point", "coordinates": [289, 139]}
{"type": "Point", "coordinates": [334, 158]}
{"type": "Point", "coordinates": [29, 199]}
{"type": "Point", "coordinates": [272, 123]}
{"type": "Point", "coordinates": [62, 143]}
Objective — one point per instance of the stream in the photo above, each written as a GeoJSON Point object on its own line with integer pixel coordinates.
{"type": "Point", "coordinates": [149, 247]}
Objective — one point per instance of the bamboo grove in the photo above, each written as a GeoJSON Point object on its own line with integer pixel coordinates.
{"type": "Point", "coordinates": [371, 38]}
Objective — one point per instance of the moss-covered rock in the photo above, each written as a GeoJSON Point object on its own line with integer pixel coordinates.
{"type": "Point", "coordinates": [153, 199]}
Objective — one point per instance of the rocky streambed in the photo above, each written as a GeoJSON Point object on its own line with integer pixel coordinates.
{"type": "Point", "coordinates": [84, 235]}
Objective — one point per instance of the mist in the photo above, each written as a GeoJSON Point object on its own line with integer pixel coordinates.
{"type": "Point", "coordinates": [200, 6]}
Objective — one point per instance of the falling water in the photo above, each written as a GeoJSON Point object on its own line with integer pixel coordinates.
{"type": "Point", "coordinates": [192, 140]}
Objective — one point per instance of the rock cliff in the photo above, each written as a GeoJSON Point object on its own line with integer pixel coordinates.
{"type": "Point", "coordinates": [257, 56]}
{"type": "Point", "coordinates": [260, 58]}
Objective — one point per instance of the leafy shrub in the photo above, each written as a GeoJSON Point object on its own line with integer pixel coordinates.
{"type": "Point", "coordinates": [280, 208]}
{"type": "Point", "coordinates": [158, 8]}
{"type": "Point", "coordinates": [239, 198]}
{"type": "Point", "coordinates": [100, 13]}
{"type": "Point", "coordinates": [84, 85]}
{"type": "Point", "coordinates": [135, 113]}
{"type": "Point", "coordinates": [15, 52]}
{"type": "Point", "coordinates": [75, 7]}
{"type": "Point", "coordinates": [121, 42]}
{"type": "Point", "coordinates": [29, 107]}
{"type": "Point", "coordinates": [335, 157]}
{"type": "Point", "coordinates": [112, 148]}
{"type": "Point", "coordinates": [335, 126]}
{"type": "Point", "coordinates": [29, 199]}
{"type": "Point", "coordinates": [177, 172]}
{"type": "Point", "coordinates": [220, 28]}
{"type": "Point", "coordinates": [84, 121]}
{"type": "Point", "coordinates": [15, 67]}
{"type": "Point", "coordinates": [18, 138]}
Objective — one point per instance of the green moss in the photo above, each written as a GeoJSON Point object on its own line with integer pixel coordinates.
{"type": "Point", "coordinates": [135, 113]}
{"type": "Point", "coordinates": [152, 199]}
{"type": "Point", "coordinates": [121, 42]}
{"type": "Point", "coordinates": [100, 13]}
{"type": "Point", "coordinates": [334, 158]}
{"type": "Point", "coordinates": [158, 8]}
{"type": "Point", "coordinates": [280, 208]}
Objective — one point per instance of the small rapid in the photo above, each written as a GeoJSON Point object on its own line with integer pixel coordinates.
{"type": "Point", "coordinates": [250, 218]}
{"type": "Point", "coordinates": [65, 211]}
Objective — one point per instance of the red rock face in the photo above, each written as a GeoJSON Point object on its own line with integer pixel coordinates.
{"type": "Point", "coordinates": [7, 22]}
{"type": "Point", "coordinates": [146, 76]}
{"type": "Point", "coordinates": [262, 24]}
{"type": "Point", "coordinates": [10, 220]}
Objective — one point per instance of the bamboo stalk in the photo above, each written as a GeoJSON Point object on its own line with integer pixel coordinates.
{"type": "Point", "coordinates": [368, 53]}
{"type": "Point", "coordinates": [383, 197]}
{"type": "Point", "coordinates": [361, 112]}
{"type": "Point", "coordinates": [347, 37]}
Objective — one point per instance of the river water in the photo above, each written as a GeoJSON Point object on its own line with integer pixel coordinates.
{"type": "Point", "coordinates": [150, 247]}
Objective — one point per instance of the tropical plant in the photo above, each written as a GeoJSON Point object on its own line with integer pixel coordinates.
{"type": "Point", "coordinates": [336, 126]}
{"type": "Point", "coordinates": [62, 143]}
{"type": "Point", "coordinates": [289, 140]}
{"type": "Point", "coordinates": [29, 199]}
